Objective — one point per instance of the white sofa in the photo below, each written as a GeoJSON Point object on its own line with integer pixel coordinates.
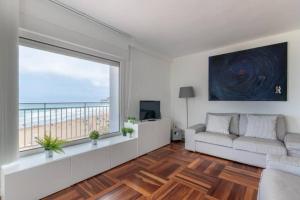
{"type": "Point", "coordinates": [235, 146]}
{"type": "Point", "coordinates": [281, 179]}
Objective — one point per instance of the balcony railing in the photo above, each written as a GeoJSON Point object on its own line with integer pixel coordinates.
{"type": "Point", "coordinates": [68, 121]}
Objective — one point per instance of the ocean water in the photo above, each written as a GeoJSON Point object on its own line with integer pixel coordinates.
{"type": "Point", "coordinates": [33, 114]}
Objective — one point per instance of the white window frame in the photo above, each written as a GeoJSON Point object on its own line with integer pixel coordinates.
{"type": "Point", "coordinates": [63, 48]}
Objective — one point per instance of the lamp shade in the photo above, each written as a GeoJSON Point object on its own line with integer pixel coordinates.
{"type": "Point", "coordinates": [186, 92]}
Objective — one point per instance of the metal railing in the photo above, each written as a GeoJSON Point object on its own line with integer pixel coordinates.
{"type": "Point", "coordinates": [68, 121]}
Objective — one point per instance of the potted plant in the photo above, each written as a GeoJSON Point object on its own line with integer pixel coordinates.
{"type": "Point", "coordinates": [51, 144]}
{"type": "Point", "coordinates": [130, 131]}
{"type": "Point", "coordinates": [131, 120]}
{"type": "Point", "coordinates": [94, 136]}
{"type": "Point", "coordinates": [124, 131]}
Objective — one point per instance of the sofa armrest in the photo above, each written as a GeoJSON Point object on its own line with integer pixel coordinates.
{"type": "Point", "coordinates": [284, 163]}
{"type": "Point", "coordinates": [197, 128]}
{"type": "Point", "coordinates": [292, 141]}
{"type": "Point", "coordinates": [190, 133]}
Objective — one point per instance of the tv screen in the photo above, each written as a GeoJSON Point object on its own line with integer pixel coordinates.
{"type": "Point", "coordinates": [258, 74]}
{"type": "Point", "coordinates": [149, 110]}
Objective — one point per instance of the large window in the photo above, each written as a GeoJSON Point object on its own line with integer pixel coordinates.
{"type": "Point", "coordinates": [65, 94]}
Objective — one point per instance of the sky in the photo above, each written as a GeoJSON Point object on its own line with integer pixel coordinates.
{"type": "Point", "coordinates": [46, 77]}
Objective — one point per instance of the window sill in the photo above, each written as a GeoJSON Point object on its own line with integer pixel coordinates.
{"type": "Point", "coordinates": [39, 159]}
{"type": "Point", "coordinates": [29, 152]}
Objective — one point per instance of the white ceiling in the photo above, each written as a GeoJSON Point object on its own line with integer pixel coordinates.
{"type": "Point", "coordinates": [180, 27]}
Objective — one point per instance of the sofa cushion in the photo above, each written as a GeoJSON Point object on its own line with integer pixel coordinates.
{"type": "Point", "coordinates": [284, 163]}
{"type": "Point", "coordinates": [218, 124]}
{"type": "Point", "coordinates": [294, 153]}
{"type": "Point", "coordinates": [259, 145]}
{"type": "Point", "coordinates": [215, 138]}
{"type": "Point", "coordinates": [292, 141]}
{"type": "Point", "coordinates": [261, 127]}
{"type": "Point", "coordinates": [280, 125]}
{"type": "Point", "coordinates": [234, 123]}
{"type": "Point", "coordinates": [278, 185]}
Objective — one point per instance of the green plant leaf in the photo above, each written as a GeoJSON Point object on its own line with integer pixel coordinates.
{"type": "Point", "coordinates": [130, 130]}
{"type": "Point", "coordinates": [51, 143]}
{"type": "Point", "coordinates": [94, 135]}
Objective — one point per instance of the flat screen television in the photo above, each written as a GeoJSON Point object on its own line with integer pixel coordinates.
{"type": "Point", "coordinates": [258, 74]}
{"type": "Point", "coordinates": [149, 110]}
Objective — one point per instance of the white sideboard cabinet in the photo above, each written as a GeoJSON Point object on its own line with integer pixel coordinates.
{"type": "Point", "coordinates": [151, 134]}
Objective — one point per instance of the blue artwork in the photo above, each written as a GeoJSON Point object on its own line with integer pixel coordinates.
{"type": "Point", "coordinates": [258, 74]}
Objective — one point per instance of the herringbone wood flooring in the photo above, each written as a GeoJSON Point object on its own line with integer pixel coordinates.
{"type": "Point", "coordinates": [169, 173]}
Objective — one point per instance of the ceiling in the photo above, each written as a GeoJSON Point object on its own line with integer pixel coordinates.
{"type": "Point", "coordinates": [179, 27]}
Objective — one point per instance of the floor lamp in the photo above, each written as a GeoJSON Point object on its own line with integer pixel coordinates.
{"type": "Point", "coordinates": [186, 92]}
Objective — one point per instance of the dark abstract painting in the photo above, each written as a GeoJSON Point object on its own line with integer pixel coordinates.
{"type": "Point", "coordinates": [258, 74]}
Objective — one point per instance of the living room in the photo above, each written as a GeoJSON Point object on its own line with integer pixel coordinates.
{"type": "Point", "coordinates": [149, 100]}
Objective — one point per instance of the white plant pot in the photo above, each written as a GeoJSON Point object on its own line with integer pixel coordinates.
{"type": "Point", "coordinates": [94, 142]}
{"type": "Point", "coordinates": [49, 154]}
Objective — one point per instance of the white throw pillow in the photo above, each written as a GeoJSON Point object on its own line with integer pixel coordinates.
{"type": "Point", "coordinates": [218, 124]}
{"type": "Point", "coordinates": [261, 126]}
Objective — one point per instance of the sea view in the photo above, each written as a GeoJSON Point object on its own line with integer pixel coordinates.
{"type": "Point", "coordinates": [80, 87]}
{"type": "Point", "coordinates": [31, 114]}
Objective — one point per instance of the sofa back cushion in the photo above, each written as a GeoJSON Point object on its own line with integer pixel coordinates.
{"type": "Point", "coordinates": [234, 123]}
{"type": "Point", "coordinates": [280, 125]}
{"type": "Point", "coordinates": [261, 126]}
{"type": "Point", "coordinates": [218, 124]}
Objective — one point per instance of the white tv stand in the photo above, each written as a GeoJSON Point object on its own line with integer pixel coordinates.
{"type": "Point", "coordinates": [151, 135]}
{"type": "Point", "coordinates": [79, 162]}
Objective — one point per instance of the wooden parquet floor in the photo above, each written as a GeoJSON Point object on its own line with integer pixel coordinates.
{"type": "Point", "coordinates": [169, 173]}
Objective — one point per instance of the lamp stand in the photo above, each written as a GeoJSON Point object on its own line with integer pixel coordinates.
{"type": "Point", "coordinates": [187, 112]}
{"type": "Point", "coordinates": [186, 92]}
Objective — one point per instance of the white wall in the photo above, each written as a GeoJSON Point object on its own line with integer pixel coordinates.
{"type": "Point", "coordinates": [8, 80]}
{"type": "Point", "coordinates": [47, 18]}
{"type": "Point", "coordinates": [114, 114]}
{"type": "Point", "coordinates": [193, 70]}
{"type": "Point", "coordinates": [149, 80]}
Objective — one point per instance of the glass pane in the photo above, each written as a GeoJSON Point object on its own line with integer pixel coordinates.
{"type": "Point", "coordinates": [65, 97]}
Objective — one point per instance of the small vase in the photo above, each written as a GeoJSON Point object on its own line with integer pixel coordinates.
{"type": "Point", "coordinates": [94, 142]}
{"type": "Point", "coordinates": [49, 154]}
{"type": "Point", "coordinates": [124, 134]}
{"type": "Point", "coordinates": [131, 135]}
